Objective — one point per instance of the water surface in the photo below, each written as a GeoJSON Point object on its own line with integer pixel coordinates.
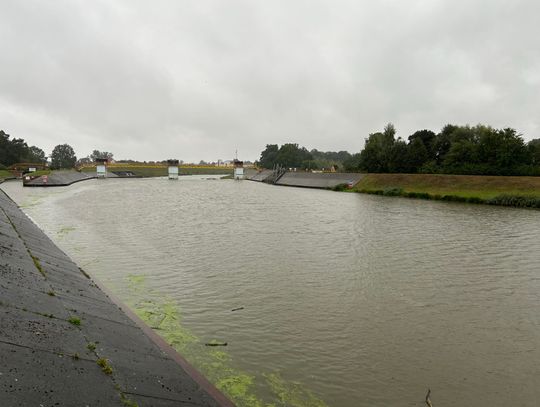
{"type": "Point", "coordinates": [350, 299]}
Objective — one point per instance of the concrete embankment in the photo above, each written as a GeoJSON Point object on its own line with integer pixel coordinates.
{"type": "Point", "coordinates": [324, 180]}
{"type": "Point", "coordinates": [318, 180]}
{"type": "Point", "coordinates": [62, 179]}
{"type": "Point", "coordinates": [64, 341]}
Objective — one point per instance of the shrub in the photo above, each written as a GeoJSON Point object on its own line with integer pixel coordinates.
{"type": "Point", "coordinates": [519, 201]}
{"type": "Point", "coordinates": [340, 187]}
{"type": "Point", "coordinates": [420, 195]}
{"type": "Point", "coordinates": [392, 191]}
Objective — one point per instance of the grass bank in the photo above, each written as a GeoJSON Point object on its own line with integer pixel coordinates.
{"type": "Point", "coordinates": [492, 190]}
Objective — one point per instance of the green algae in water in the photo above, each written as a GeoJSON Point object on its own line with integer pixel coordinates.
{"type": "Point", "coordinates": [163, 315]}
{"type": "Point", "coordinates": [136, 281]}
{"type": "Point", "coordinates": [31, 202]}
{"type": "Point", "coordinates": [65, 230]}
{"type": "Point", "coordinates": [291, 394]}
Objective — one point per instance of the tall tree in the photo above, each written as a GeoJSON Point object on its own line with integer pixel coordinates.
{"type": "Point", "coordinates": [36, 155]}
{"type": "Point", "coordinates": [269, 156]}
{"type": "Point", "coordinates": [96, 154]}
{"type": "Point", "coordinates": [428, 139]}
{"type": "Point", "coordinates": [63, 156]}
{"type": "Point", "coordinates": [534, 151]}
{"type": "Point", "coordinates": [291, 155]}
{"type": "Point", "coordinates": [378, 151]}
{"type": "Point", "coordinates": [16, 150]}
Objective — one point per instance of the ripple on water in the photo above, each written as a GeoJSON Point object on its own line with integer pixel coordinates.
{"type": "Point", "coordinates": [366, 300]}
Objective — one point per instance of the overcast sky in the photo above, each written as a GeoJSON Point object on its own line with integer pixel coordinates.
{"type": "Point", "coordinates": [199, 79]}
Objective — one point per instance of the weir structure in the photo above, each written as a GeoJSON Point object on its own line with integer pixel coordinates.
{"type": "Point", "coordinates": [65, 341]}
{"type": "Point", "coordinates": [101, 167]}
{"type": "Point", "coordinates": [173, 169]}
{"type": "Point", "coordinates": [238, 169]}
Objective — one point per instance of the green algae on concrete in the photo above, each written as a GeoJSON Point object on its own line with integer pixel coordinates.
{"type": "Point", "coordinates": [163, 315]}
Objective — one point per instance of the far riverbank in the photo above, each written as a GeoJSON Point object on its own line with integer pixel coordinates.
{"type": "Point", "coordinates": [492, 190]}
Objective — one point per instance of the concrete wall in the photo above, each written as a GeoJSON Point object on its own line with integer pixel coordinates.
{"type": "Point", "coordinates": [318, 180]}
{"type": "Point", "coordinates": [64, 178]}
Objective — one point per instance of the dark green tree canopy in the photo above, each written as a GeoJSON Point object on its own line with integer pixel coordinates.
{"type": "Point", "coordinates": [16, 150]}
{"type": "Point", "coordinates": [533, 148]}
{"type": "Point", "coordinates": [268, 156]}
{"type": "Point", "coordinates": [36, 155]}
{"type": "Point", "coordinates": [291, 155]}
{"type": "Point", "coordinates": [100, 154]}
{"type": "Point", "coordinates": [63, 156]}
{"type": "Point", "coordinates": [480, 150]}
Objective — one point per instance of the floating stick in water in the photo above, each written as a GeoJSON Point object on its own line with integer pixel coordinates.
{"type": "Point", "coordinates": [428, 400]}
{"type": "Point", "coordinates": [216, 344]}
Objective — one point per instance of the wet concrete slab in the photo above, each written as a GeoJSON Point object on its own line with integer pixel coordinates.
{"type": "Point", "coordinates": [318, 180]}
{"type": "Point", "coordinates": [60, 178]}
{"type": "Point", "coordinates": [112, 338]}
{"type": "Point", "coordinates": [260, 176]}
{"type": "Point", "coordinates": [159, 402]}
{"type": "Point", "coordinates": [157, 378]}
{"type": "Point", "coordinates": [86, 307]}
{"type": "Point", "coordinates": [56, 324]}
{"type": "Point", "coordinates": [29, 377]}
{"type": "Point", "coordinates": [40, 332]}
{"type": "Point", "coordinates": [22, 274]}
{"type": "Point", "coordinates": [42, 302]}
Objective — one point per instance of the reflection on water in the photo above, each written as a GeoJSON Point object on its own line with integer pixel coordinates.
{"type": "Point", "coordinates": [364, 300]}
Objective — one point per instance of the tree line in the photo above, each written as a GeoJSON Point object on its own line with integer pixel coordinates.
{"type": "Point", "coordinates": [476, 150]}
{"type": "Point", "coordinates": [16, 150]}
{"type": "Point", "coordinates": [291, 155]}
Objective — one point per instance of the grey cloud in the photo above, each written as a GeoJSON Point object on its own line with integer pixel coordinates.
{"type": "Point", "coordinates": [200, 79]}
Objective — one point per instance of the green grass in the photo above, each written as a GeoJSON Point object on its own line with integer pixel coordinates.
{"type": "Point", "coordinates": [517, 191]}
{"type": "Point", "coordinates": [479, 186]}
{"type": "Point", "coordinates": [5, 174]}
{"type": "Point", "coordinates": [74, 321]}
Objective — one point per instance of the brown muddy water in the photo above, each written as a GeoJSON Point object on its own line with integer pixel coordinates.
{"type": "Point", "coordinates": [348, 300]}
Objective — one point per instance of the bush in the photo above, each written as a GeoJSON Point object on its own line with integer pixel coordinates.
{"type": "Point", "coordinates": [476, 200]}
{"type": "Point", "coordinates": [392, 191]}
{"type": "Point", "coordinates": [340, 187]}
{"type": "Point", "coordinates": [515, 200]}
{"type": "Point", "coordinates": [420, 195]}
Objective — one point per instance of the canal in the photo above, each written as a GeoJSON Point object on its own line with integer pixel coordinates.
{"type": "Point", "coordinates": [339, 299]}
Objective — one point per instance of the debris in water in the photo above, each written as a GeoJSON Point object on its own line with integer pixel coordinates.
{"type": "Point", "coordinates": [428, 400]}
{"type": "Point", "coordinates": [237, 309]}
{"type": "Point", "coordinates": [216, 344]}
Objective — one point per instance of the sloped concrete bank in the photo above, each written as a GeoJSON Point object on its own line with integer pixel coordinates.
{"type": "Point", "coordinates": [62, 179]}
{"type": "Point", "coordinates": [64, 341]}
{"type": "Point", "coordinates": [326, 180]}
